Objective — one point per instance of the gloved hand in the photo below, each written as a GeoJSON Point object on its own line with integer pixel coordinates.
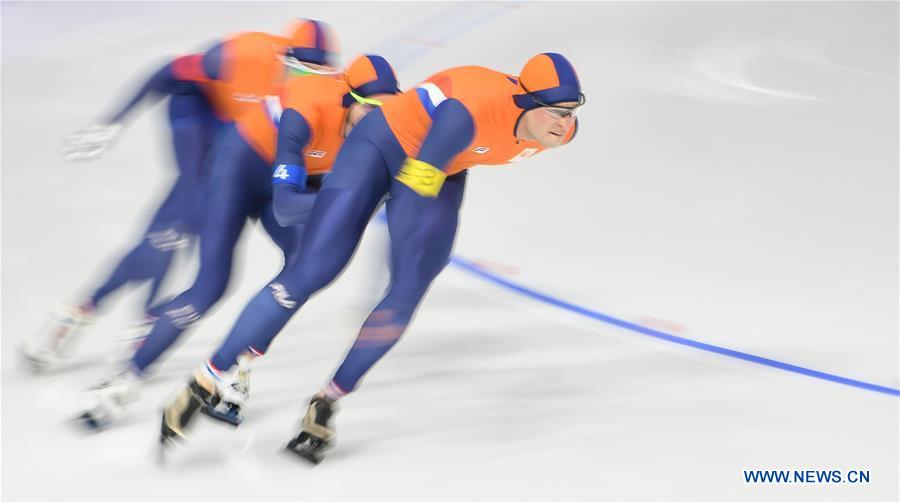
{"type": "Point", "coordinates": [421, 177]}
{"type": "Point", "coordinates": [90, 143]}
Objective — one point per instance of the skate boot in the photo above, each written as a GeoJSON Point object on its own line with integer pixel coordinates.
{"type": "Point", "coordinates": [180, 411]}
{"type": "Point", "coordinates": [56, 340]}
{"type": "Point", "coordinates": [109, 399]}
{"type": "Point", "coordinates": [311, 443]}
{"type": "Point", "coordinates": [233, 391]}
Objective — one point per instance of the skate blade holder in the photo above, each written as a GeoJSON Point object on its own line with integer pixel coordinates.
{"type": "Point", "coordinates": [91, 422]}
{"type": "Point", "coordinates": [87, 422]}
{"type": "Point", "coordinates": [167, 436]}
{"type": "Point", "coordinates": [308, 447]}
{"type": "Point", "coordinates": [32, 365]}
{"type": "Point", "coordinates": [230, 415]}
{"type": "Point", "coordinates": [94, 419]}
{"type": "Point", "coordinates": [169, 442]}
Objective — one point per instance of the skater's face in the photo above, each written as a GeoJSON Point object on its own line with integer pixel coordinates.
{"type": "Point", "coordinates": [548, 125]}
{"type": "Point", "coordinates": [358, 109]}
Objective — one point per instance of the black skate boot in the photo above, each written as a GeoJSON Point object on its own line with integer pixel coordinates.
{"type": "Point", "coordinates": [178, 413]}
{"type": "Point", "coordinates": [311, 443]}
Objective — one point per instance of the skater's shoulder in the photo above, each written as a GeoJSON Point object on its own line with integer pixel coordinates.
{"type": "Point", "coordinates": [471, 80]}
{"type": "Point", "coordinates": [314, 89]}
{"type": "Point", "coordinates": [255, 40]}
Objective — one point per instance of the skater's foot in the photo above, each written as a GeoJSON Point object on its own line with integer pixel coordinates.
{"type": "Point", "coordinates": [56, 340]}
{"type": "Point", "coordinates": [108, 400]}
{"type": "Point", "coordinates": [317, 433]}
{"type": "Point", "coordinates": [179, 412]}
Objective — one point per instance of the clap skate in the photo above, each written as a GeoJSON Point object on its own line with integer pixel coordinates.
{"type": "Point", "coordinates": [178, 413]}
{"type": "Point", "coordinates": [233, 391]}
{"type": "Point", "coordinates": [57, 340]}
{"type": "Point", "coordinates": [315, 437]}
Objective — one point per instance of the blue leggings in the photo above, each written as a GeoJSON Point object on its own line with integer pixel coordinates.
{"type": "Point", "coordinates": [240, 188]}
{"type": "Point", "coordinates": [422, 233]}
{"type": "Point", "coordinates": [194, 127]}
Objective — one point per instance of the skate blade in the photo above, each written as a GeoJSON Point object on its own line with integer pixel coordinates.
{"type": "Point", "coordinates": [168, 440]}
{"type": "Point", "coordinates": [226, 416]}
{"type": "Point", "coordinates": [309, 448]}
{"type": "Point", "coordinates": [31, 365]}
{"type": "Point", "coordinates": [168, 444]}
{"type": "Point", "coordinates": [90, 422]}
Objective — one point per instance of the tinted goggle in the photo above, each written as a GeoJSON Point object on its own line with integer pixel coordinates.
{"type": "Point", "coordinates": [299, 67]}
{"type": "Point", "coordinates": [366, 101]}
{"type": "Point", "coordinates": [559, 111]}
{"type": "Point", "coordinates": [562, 112]}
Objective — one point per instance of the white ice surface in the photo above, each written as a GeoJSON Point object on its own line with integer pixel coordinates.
{"type": "Point", "coordinates": [734, 181]}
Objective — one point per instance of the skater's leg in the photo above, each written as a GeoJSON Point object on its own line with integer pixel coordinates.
{"type": "Point", "coordinates": [343, 208]}
{"type": "Point", "coordinates": [288, 238]}
{"type": "Point", "coordinates": [192, 127]}
{"type": "Point", "coordinates": [422, 233]}
{"type": "Point", "coordinates": [149, 260]}
{"type": "Point", "coordinates": [233, 194]}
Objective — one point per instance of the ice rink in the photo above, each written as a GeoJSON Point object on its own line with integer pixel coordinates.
{"type": "Point", "coordinates": [704, 282]}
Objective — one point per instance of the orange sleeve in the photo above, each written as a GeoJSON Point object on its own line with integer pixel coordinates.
{"type": "Point", "coordinates": [190, 68]}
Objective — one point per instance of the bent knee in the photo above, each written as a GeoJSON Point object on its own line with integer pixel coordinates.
{"type": "Point", "coordinates": [183, 317]}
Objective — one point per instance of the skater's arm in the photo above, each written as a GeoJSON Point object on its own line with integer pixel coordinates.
{"type": "Point", "coordinates": [176, 76]}
{"type": "Point", "coordinates": [452, 130]}
{"type": "Point", "coordinates": [290, 203]}
{"type": "Point", "coordinates": [293, 206]}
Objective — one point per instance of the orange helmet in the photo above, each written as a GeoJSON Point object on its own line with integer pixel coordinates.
{"type": "Point", "coordinates": [312, 41]}
{"type": "Point", "coordinates": [546, 79]}
{"type": "Point", "coordinates": [369, 74]}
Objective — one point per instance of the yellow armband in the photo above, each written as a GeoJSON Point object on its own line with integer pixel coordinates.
{"type": "Point", "coordinates": [422, 177]}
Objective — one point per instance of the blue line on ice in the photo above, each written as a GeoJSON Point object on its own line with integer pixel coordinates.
{"type": "Point", "coordinates": [470, 267]}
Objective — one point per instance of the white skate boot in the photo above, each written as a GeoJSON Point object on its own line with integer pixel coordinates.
{"type": "Point", "coordinates": [128, 341]}
{"type": "Point", "coordinates": [108, 400]}
{"type": "Point", "coordinates": [56, 340]}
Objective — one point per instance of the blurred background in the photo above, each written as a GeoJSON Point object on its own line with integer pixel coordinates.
{"type": "Point", "coordinates": [734, 182]}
